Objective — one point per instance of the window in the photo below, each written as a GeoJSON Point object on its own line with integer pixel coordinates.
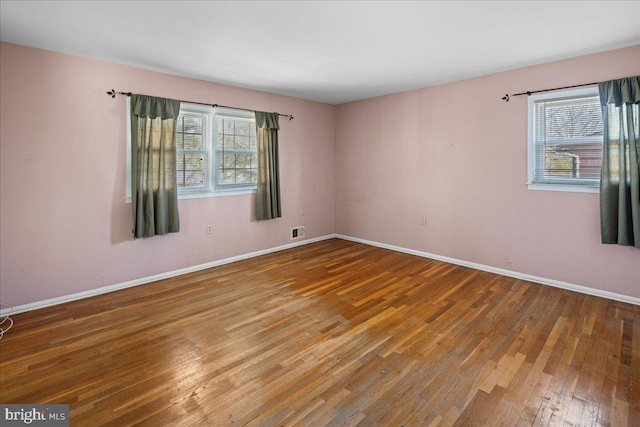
{"type": "Point", "coordinates": [216, 151]}
{"type": "Point", "coordinates": [236, 151]}
{"type": "Point", "coordinates": [565, 141]}
{"type": "Point", "coordinates": [192, 154]}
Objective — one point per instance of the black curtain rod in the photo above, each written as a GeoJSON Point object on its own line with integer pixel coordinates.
{"type": "Point", "coordinates": [113, 94]}
{"type": "Point", "coordinates": [507, 96]}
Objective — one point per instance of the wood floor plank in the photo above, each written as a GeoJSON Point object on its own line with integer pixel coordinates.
{"type": "Point", "coordinates": [332, 333]}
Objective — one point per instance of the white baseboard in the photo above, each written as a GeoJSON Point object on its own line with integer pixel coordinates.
{"type": "Point", "coordinates": [149, 279]}
{"type": "Point", "coordinates": [544, 281]}
{"type": "Point", "coordinates": [154, 278]}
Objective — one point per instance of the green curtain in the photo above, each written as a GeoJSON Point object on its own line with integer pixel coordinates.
{"type": "Point", "coordinates": [268, 186]}
{"type": "Point", "coordinates": [154, 191]}
{"type": "Point", "coordinates": [619, 182]}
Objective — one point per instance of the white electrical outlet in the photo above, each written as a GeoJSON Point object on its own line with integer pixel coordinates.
{"type": "Point", "coordinates": [209, 229]}
{"type": "Point", "coordinates": [423, 221]}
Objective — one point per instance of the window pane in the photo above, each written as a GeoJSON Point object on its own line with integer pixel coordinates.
{"type": "Point", "coordinates": [219, 139]}
{"type": "Point", "coordinates": [190, 170]}
{"type": "Point", "coordinates": [193, 179]}
{"type": "Point", "coordinates": [243, 161]}
{"type": "Point", "coordinates": [190, 132]}
{"type": "Point", "coordinates": [242, 127]}
{"type": "Point", "coordinates": [570, 119]}
{"type": "Point", "coordinates": [228, 161]}
{"type": "Point", "coordinates": [193, 124]}
{"type": "Point", "coordinates": [568, 137]}
{"type": "Point", "coordinates": [242, 142]}
{"type": "Point", "coordinates": [227, 176]}
{"type": "Point", "coordinates": [228, 141]}
{"type": "Point", "coordinates": [193, 142]}
{"type": "Point", "coordinates": [573, 161]}
{"type": "Point", "coordinates": [243, 177]}
{"type": "Point", "coordinates": [192, 147]}
{"type": "Point", "coordinates": [237, 157]}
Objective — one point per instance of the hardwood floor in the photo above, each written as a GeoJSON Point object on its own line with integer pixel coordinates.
{"type": "Point", "coordinates": [332, 333]}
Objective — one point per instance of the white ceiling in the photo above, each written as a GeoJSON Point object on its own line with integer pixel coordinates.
{"type": "Point", "coordinates": [332, 52]}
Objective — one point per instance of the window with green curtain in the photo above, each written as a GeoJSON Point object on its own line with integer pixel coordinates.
{"type": "Point", "coordinates": [154, 191]}
{"type": "Point", "coordinates": [620, 181]}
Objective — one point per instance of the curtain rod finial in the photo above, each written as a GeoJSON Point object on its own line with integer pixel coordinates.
{"type": "Point", "coordinates": [506, 97]}
{"type": "Point", "coordinates": [112, 92]}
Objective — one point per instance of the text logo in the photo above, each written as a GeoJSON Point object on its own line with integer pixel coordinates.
{"type": "Point", "coordinates": [34, 415]}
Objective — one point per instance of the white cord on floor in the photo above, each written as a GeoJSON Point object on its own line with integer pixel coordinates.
{"type": "Point", "coordinates": [5, 319]}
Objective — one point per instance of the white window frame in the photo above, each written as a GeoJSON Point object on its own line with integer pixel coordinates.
{"type": "Point", "coordinates": [240, 115]}
{"type": "Point", "coordinates": [205, 113]}
{"type": "Point", "coordinates": [211, 187]}
{"type": "Point", "coordinates": [585, 186]}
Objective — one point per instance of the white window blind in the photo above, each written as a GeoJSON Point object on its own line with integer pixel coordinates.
{"type": "Point", "coordinates": [216, 150]}
{"type": "Point", "coordinates": [192, 153]}
{"type": "Point", "coordinates": [566, 135]}
{"type": "Point", "coordinates": [236, 151]}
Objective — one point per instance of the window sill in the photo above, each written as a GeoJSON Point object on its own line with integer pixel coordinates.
{"type": "Point", "coordinates": [564, 187]}
{"type": "Point", "coordinates": [205, 194]}
{"type": "Point", "coordinates": [219, 193]}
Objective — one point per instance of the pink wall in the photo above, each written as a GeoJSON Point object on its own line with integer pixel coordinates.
{"type": "Point", "coordinates": [454, 153]}
{"type": "Point", "coordinates": [457, 154]}
{"type": "Point", "coordinates": [65, 226]}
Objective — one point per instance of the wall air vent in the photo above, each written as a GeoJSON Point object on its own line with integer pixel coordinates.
{"type": "Point", "coordinates": [297, 232]}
